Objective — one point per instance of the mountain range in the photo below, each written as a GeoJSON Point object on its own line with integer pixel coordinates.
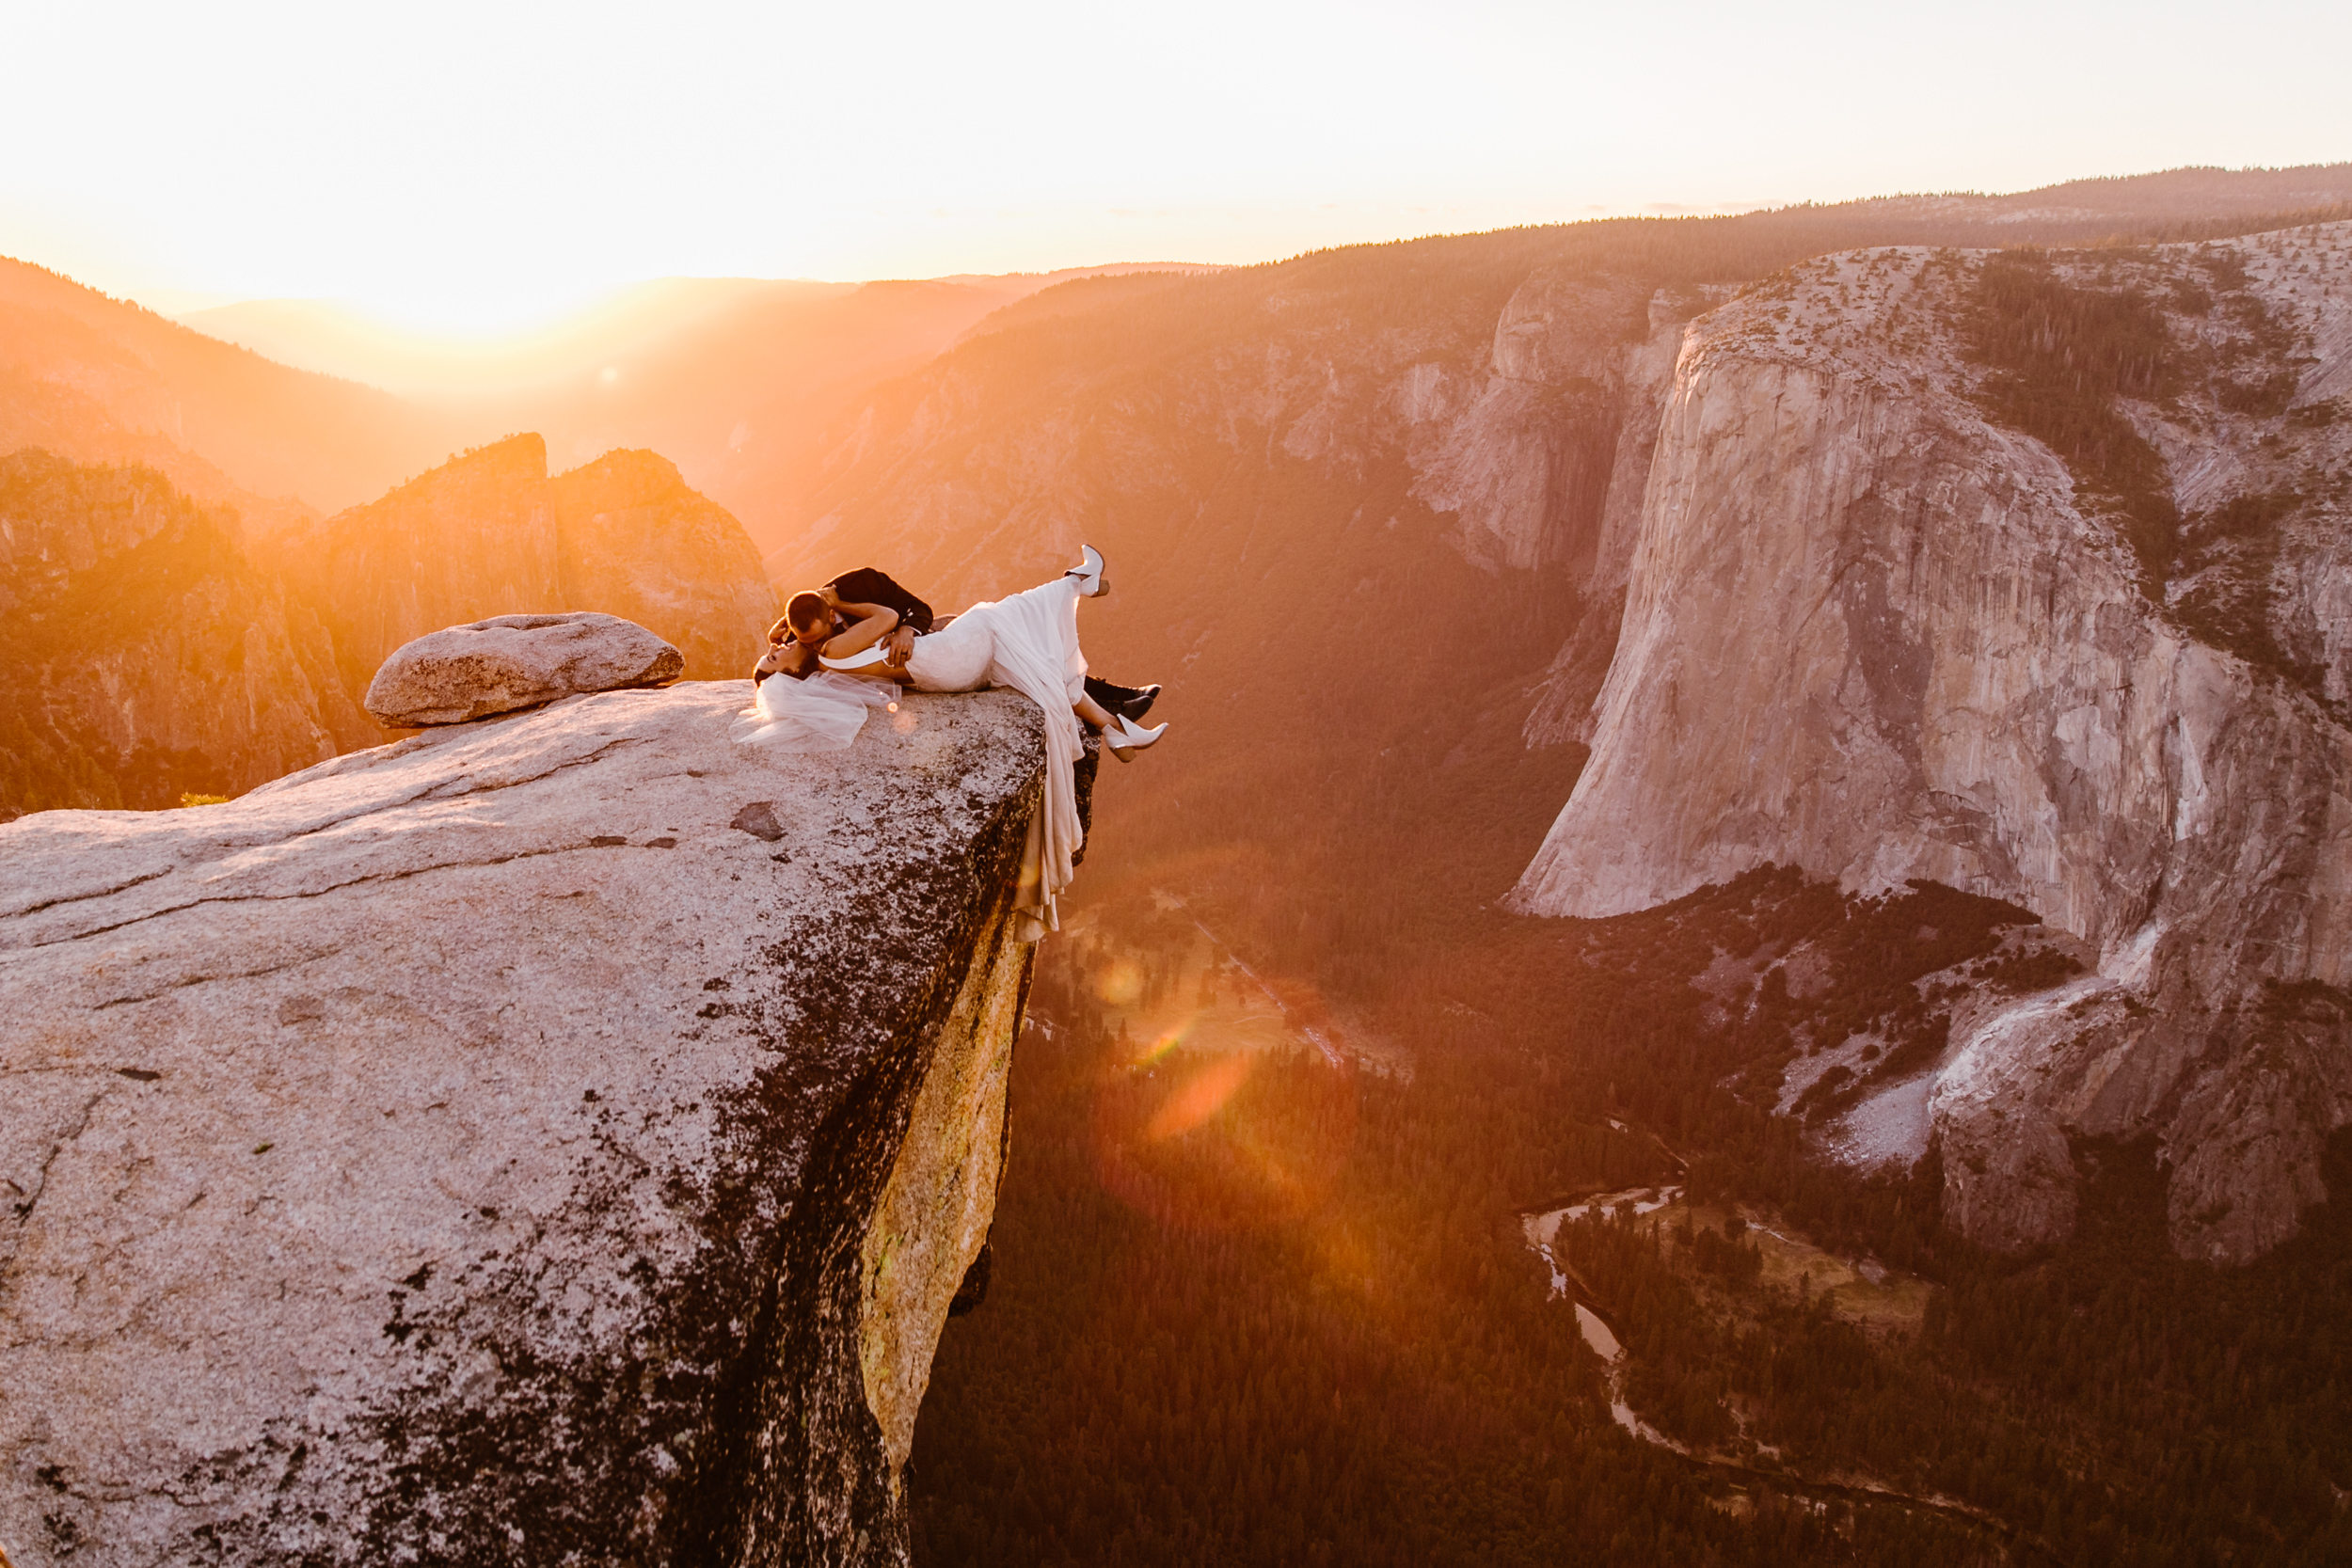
{"type": "Point", "coordinates": [1389, 508]}
{"type": "Point", "coordinates": [1835, 717]}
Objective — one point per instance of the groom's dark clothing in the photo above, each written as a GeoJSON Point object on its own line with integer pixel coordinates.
{"type": "Point", "coordinates": [867, 586]}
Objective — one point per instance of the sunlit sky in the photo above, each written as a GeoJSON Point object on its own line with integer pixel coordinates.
{"type": "Point", "coordinates": [483, 165]}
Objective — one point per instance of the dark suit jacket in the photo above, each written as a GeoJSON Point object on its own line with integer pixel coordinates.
{"type": "Point", "coordinates": [867, 586]}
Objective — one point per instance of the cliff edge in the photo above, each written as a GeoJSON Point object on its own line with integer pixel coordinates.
{"type": "Point", "coordinates": [549, 1139]}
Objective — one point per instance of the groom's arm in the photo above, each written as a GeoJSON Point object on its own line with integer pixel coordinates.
{"type": "Point", "coordinates": [867, 586]}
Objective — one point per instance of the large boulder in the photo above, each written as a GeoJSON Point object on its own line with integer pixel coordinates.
{"type": "Point", "coordinates": [510, 663]}
{"type": "Point", "coordinates": [552, 1141]}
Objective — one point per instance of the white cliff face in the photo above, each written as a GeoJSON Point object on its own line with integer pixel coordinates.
{"type": "Point", "coordinates": [545, 1139]}
{"type": "Point", "coordinates": [1870, 634]}
{"type": "Point", "coordinates": [1504, 430]}
{"type": "Point", "coordinates": [1525, 469]}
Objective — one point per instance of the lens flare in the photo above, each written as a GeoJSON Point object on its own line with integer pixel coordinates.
{"type": "Point", "coordinates": [1200, 1097]}
{"type": "Point", "coordinates": [1168, 1040]}
{"type": "Point", "coordinates": [1121, 983]}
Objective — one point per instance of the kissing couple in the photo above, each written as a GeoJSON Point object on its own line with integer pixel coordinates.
{"type": "Point", "coordinates": [842, 649]}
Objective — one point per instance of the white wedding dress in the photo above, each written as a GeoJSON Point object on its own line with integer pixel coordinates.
{"type": "Point", "coordinates": [822, 713]}
{"type": "Point", "coordinates": [1028, 641]}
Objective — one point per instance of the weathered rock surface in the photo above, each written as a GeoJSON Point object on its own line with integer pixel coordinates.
{"type": "Point", "coordinates": [515, 662]}
{"type": "Point", "coordinates": [1870, 634]}
{"type": "Point", "coordinates": [479, 1148]}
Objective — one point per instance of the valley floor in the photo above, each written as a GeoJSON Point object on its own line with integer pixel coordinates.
{"type": "Point", "coordinates": [1249, 1306]}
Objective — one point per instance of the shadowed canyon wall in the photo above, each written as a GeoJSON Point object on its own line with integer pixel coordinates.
{"type": "Point", "coordinates": [148, 654]}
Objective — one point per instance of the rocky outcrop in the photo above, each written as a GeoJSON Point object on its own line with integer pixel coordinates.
{"type": "Point", "coordinates": [632, 540]}
{"type": "Point", "coordinates": [489, 534]}
{"type": "Point", "coordinates": [1871, 633]}
{"type": "Point", "coordinates": [511, 662]}
{"type": "Point", "coordinates": [147, 654]}
{"type": "Point", "coordinates": [490, 1148]}
{"type": "Point", "coordinates": [161, 648]}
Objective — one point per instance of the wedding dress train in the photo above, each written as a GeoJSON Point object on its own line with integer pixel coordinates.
{"type": "Point", "coordinates": [1028, 642]}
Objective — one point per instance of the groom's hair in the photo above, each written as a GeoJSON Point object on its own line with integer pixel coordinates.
{"type": "Point", "coordinates": [806, 610]}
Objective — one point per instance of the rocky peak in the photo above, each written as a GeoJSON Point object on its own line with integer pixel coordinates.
{"type": "Point", "coordinates": [622, 478]}
{"type": "Point", "coordinates": [490, 533]}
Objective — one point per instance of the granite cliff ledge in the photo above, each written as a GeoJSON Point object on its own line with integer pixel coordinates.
{"type": "Point", "coordinates": [544, 1140]}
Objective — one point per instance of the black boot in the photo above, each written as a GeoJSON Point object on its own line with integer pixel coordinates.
{"type": "Point", "coordinates": [1135, 701]}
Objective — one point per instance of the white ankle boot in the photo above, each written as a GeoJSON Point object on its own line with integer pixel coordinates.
{"type": "Point", "coordinates": [1089, 573]}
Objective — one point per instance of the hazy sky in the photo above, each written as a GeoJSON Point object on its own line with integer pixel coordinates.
{"type": "Point", "coordinates": [480, 164]}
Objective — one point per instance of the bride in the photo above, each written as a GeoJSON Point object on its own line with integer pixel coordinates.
{"type": "Point", "coordinates": [1028, 641]}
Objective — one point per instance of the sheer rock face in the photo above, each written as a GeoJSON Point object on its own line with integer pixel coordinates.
{"type": "Point", "coordinates": [147, 654]}
{"type": "Point", "coordinates": [1526, 467]}
{"type": "Point", "coordinates": [1871, 635]}
{"type": "Point", "coordinates": [162, 647]}
{"type": "Point", "coordinates": [515, 662]}
{"type": "Point", "coordinates": [481, 1149]}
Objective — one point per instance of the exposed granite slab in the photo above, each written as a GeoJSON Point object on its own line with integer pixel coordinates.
{"type": "Point", "coordinates": [469, 1150]}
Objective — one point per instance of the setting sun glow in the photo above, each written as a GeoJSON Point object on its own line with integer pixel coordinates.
{"type": "Point", "coordinates": [460, 169]}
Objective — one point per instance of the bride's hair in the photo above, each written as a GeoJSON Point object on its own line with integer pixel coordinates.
{"type": "Point", "coordinates": [804, 609]}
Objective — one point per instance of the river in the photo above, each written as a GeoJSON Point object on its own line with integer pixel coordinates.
{"type": "Point", "coordinates": [1543, 1229]}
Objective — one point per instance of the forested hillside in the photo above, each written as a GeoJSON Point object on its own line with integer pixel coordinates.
{"type": "Point", "coordinates": [103, 380]}
{"type": "Point", "coordinates": [149, 655]}
{"type": "Point", "coordinates": [1285, 468]}
{"type": "Point", "coordinates": [1303, 1325]}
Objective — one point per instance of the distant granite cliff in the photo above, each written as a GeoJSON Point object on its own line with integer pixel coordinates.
{"type": "Point", "coordinates": [1877, 631]}
{"type": "Point", "coordinates": [490, 534]}
{"type": "Point", "coordinates": [146, 653]}
{"type": "Point", "coordinates": [157, 647]}
{"type": "Point", "coordinates": [549, 1139]}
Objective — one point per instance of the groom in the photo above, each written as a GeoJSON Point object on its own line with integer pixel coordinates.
{"type": "Point", "coordinates": [868, 586]}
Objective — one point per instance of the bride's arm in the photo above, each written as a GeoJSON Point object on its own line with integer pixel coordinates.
{"type": "Point", "coordinates": [875, 622]}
